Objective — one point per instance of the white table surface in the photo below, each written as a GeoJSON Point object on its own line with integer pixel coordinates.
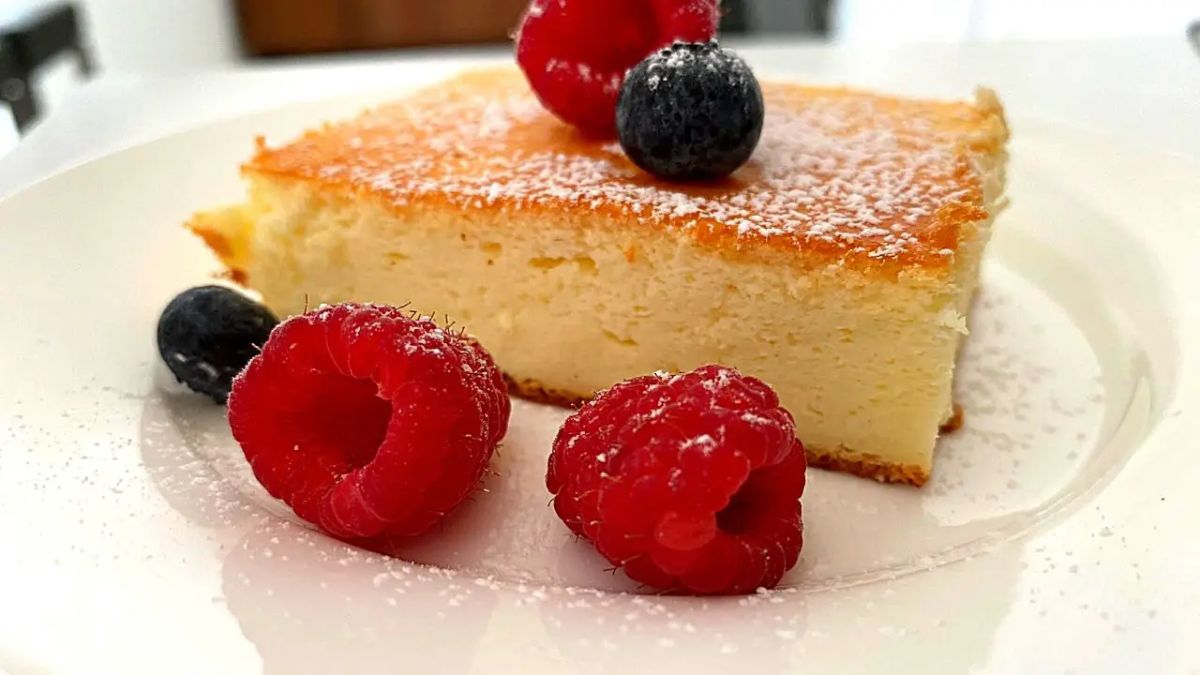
{"type": "Point", "coordinates": [1142, 91]}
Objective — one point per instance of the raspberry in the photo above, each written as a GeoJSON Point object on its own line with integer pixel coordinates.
{"type": "Point", "coordinates": [575, 52]}
{"type": "Point", "coordinates": [366, 421]}
{"type": "Point", "coordinates": [689, 482]}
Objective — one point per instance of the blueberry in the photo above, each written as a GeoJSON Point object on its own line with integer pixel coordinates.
{"type": "Point", "coordinates": [692, 111]}
{"type": "Point", "coordinates": [208, 334]}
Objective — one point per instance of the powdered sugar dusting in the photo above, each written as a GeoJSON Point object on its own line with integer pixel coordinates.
{"type": "Point", "coordinates": [848, 174]}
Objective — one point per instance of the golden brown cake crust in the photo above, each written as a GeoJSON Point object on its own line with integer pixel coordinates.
{"type": "Point", "coordinates": [535, 391]}
{"type": "Point", "coordinates": [955, 422]}
{"type": "Point", "coordinates": [868, 181]}
{"type": "Point", "coordinates": [867, 466]}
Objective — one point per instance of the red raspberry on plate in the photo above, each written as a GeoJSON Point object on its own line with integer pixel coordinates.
{"type": "Point", "coordinates": [367, 421]}
{"type": "Point", "coordinates": [689, 482]}
{"type": "Point", "coordinates": [575, 52]}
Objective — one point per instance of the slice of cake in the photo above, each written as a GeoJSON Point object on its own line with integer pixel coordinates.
{"type": "Point", "coordinates": [837, 265]}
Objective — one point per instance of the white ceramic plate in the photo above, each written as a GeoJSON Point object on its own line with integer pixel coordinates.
{"type": "Point", "coordinates": [1059, 532]}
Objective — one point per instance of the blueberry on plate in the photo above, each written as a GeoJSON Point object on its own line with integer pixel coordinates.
{"type": "Point", "coordinates": [206, 335]}
{"type": "Point", "coordinates": [692, 111]}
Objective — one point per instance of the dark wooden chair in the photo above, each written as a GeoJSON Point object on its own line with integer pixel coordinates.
{"type": "Point", "coordinates": [28, 40]}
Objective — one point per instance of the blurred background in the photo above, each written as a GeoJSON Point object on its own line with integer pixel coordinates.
{"type": "Point", "coordinates": [49, 47]}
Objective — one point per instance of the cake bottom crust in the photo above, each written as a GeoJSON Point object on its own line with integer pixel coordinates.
{"type": "Point", "coordinates": [866, 466]}
{"type": "Point", "coordinates": [537, 392]}
{"type": "Point", "coordinates": [840, 459]}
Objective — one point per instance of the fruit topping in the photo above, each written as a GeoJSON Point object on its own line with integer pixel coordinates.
{"type": "Point", "coordinates": [206, 335]}
{"type": "Point", "coordinates": [689, 482]}
{"type": "Point", "coordinates": [575, 53]}
{"type": "Point", "coordinates": [368, 420]}
{"type": "Point", "coordinates": [690, 112]}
